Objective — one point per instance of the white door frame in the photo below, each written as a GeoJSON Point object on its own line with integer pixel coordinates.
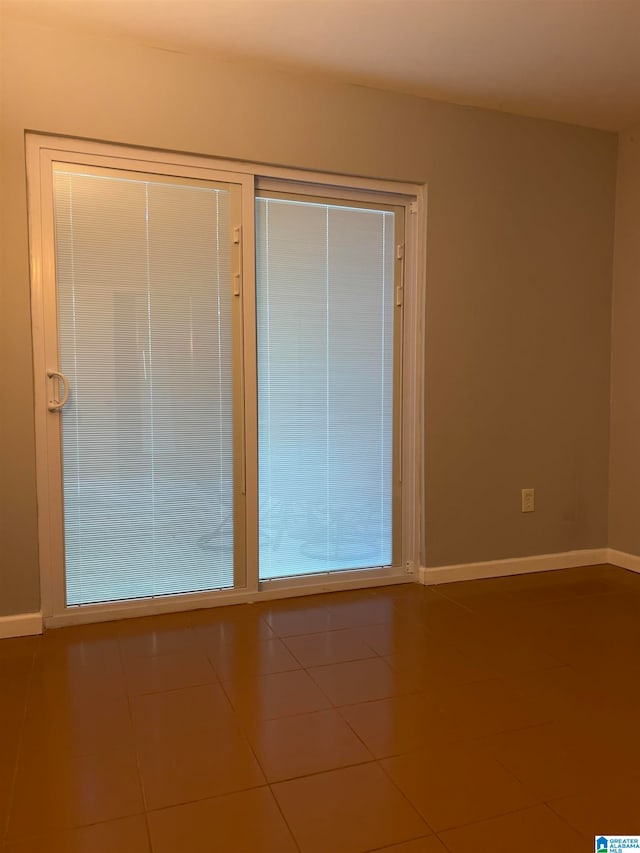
{"type": "Point", "coordinates": [41, 151]}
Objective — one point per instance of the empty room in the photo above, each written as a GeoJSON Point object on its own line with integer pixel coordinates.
{"type": "Point", "coordinates": [320, 477]}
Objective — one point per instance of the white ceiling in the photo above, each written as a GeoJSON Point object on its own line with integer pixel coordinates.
{"type": "Point", "coordinates": [571, 60]}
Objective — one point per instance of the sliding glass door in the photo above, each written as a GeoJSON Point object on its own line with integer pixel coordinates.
{"type": "Point", "coordinates": [220, 380]}
{"type": "Point", "coordinates": [147, 332]}
{"type": "Point", "coordinates": [328, 318]}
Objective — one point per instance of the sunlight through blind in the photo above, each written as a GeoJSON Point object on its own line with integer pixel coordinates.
{"type": "Point", "coordinates": [144, 313]}
{"type": "Point", "coordinates": [325, 302]}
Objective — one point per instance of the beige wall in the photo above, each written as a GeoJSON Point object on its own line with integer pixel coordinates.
{"type": "Point", "coordinates": [624, 503]}
{"type": "Point", "coordinates": [519, 272]}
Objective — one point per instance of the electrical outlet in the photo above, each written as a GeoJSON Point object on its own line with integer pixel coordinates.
{"type": "Point", "coordinates": [528, 500]}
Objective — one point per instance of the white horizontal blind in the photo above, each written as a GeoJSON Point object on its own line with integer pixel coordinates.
{"type": "Point", "coordinates": [144, 319]}
{"type": "Point", "coordinates": [325, 303]}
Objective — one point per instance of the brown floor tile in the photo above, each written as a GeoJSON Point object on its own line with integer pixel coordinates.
{"type": "Point", "coordinates": [557, 693]}
{"type": "Point", "coordinates": [15, 673]}
{"type": "Point", "coordinates": [312, 601]}
{"type": "Point", "coordinates": [191, 766]}
{"type": "Point", "coordinates": [248, 822]}
{"type": "Point", "coordinates": [499, 659]}
{"type": "Point", "coordinates": [279, 695]}
{"type": "Point", "coordinates": [398, 637]}
{"type": "Point", "coordinates": [553, 760]}
{"type": "Point", "coordinates": [78, 728]}
{"type": "Point", "coordinates": [19, 647]}
{"type": "Point", "coordinates": [611, 807]}
{"type": "Point", "coordinates": [8, 765]}
{"type": "Point", "coordinates": [227, 613]}
{"type": "Point", "coordinates": [451, 712]}
{"type": "Point", "coordinates": [617, 741]}
{"type": "Point", "coordinates": [352, 614]}
{"type": "Point", "coordinates": [345, 596]}
{"type": "Point", "coordinates": [609, 652]}
{"type": "Point", "coordinates": [614, 658]}
{"type": "Point", "coordinates": [406, 588]}
{"type": "Point", "coordinates": [142, 640]}
{"type": "Point", "coordinates": [237, 661]}
{"type": "Point", "coordinates": [484, 708]}
{"type": "Point", "coordinates": [222, 633]}
{"type": "Point", "coordinates": [81, 645]}
{"type": "Point", "coordinates": [614, 613]}
{"type": "Point", "coordinates": [528, 831]}
{"type": "Point", "coordinates": [80, 657]}
{"type": "Point", "coordinates": [455, 784]}
{"type": "Point", "coordinates": [75, 674]}
{"type": "Point", "coordinates": [307, 743]}
{"type": "Point", "coordinates": [169, 621]}
{"type": "Point", "coordinates": [435, 663]}
{"type": "Point", "coordinates": [358, 681]}
{"type": "Point", "coordinates": [429, 844]}
{"type": "Point", "coordinates": [295, 620]}
{"type": "Point", "coordinates": [167, 672]}
{"type": "Point", "coordinates": [89, 633]}
{"type": "Point", "coordinates": [198, 710]}
{"type": "Point", "coordinates": [53, 792]}
{"type": "Point", "coordinates": [347, 811]}
{"type": "Point", "coordinates": [478, 596]}
{"type": "Point", "coordinates": [562, 589]}
{"type": "Point", "coordinates": [329, 647]}
{"type": "Point", "coordinates": [438, 615]}
{"type": "Point", "coordinates": [127, 835]}
{"type": "Point", "coordinates": [12, 715]}
{"type": "Point", "coordinates": [390, 726]}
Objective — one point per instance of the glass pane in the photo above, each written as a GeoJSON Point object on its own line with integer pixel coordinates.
{"type": "Point", "coordinates": [144, 315]}
{"type": "Point", "coordinates": [325, 301]}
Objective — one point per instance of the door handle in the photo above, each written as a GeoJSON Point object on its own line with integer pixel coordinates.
{"type": "Point", "coordinates": [55, 405]}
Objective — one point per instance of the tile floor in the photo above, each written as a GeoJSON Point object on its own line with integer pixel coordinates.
{"type": "Point", "coordinates": [497, 716]}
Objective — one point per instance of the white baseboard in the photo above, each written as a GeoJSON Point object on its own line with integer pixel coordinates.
{"type": "Point", "coordinates": [22, 625]}
{"type": "Point", "coordinates": [516, 566]}
{"type": "Point", "coordinates": [624, 560]}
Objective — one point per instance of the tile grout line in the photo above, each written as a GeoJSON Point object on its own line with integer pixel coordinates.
{"type": "Point", "coordinates": [284, 818]}
{"type": "Point", "coordinates": [530, 807]}
{"type": "Point", "coordinates": [267, 784]}
{"type": "Point", "coordinates": [549, 805]}
{"type": "Point", "coordinates": [560, 817]}
{"type": "Point", "coordinates": [313, 773]}
{"type": "Point", "coordinates": [135, 745]}
{"type": "Point", "coordinates": [405, 797]}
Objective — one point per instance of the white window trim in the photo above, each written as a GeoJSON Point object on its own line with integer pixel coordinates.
{"type": "Point", "coordinates": [252, 176]}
